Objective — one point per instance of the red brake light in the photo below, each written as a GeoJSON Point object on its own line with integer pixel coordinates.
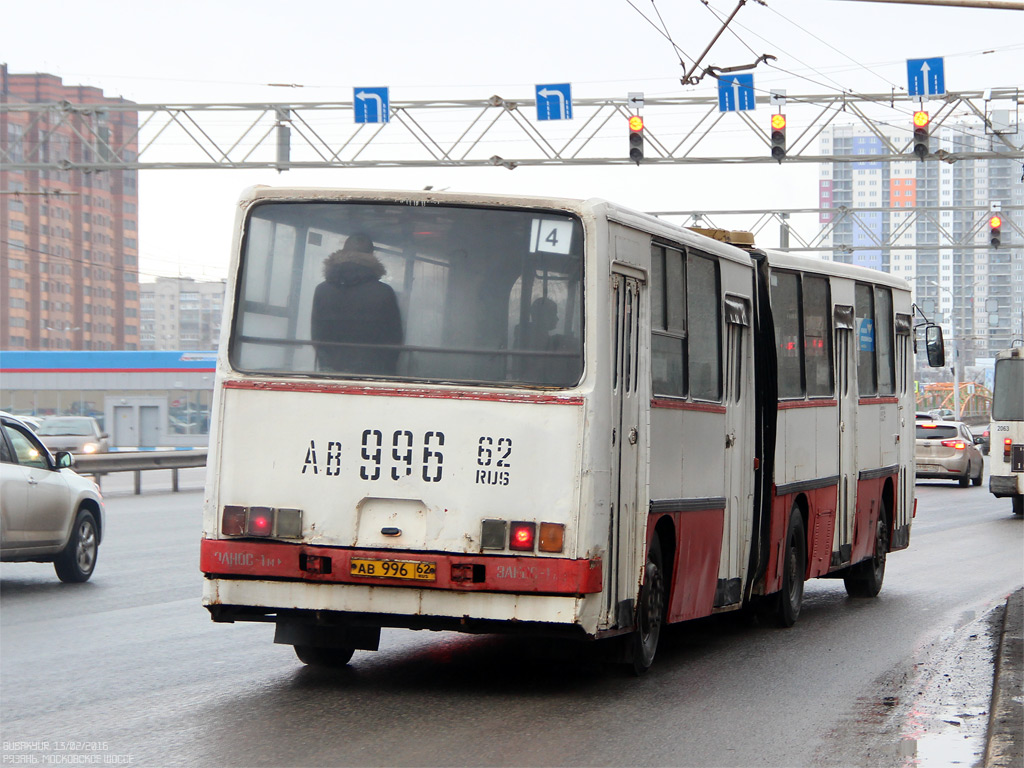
{"type": "Point", "coordinates": [958, 444]}
{"type": "Point", "coordinates": [927, 426]}
{"type": "Point", "coordinates": [261, 521]}
{"type": "Point", "coordinates": [523, 536]}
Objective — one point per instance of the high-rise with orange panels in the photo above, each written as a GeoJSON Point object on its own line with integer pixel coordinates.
{"type": "Point", "coordinates": [69, 239]}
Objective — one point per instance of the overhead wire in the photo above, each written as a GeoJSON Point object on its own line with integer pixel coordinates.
{"type": "Point", "coordinates": [663, 31]}
{"type": "Point", "coordinates": [850, 91]}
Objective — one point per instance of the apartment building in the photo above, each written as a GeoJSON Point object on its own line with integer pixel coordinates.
{"type": "Point", "coordinates": [69, 249]}
{"type": "Point", "coordinates": [925, 209]}
{"type": "Point", "coordinates": [180, 313]}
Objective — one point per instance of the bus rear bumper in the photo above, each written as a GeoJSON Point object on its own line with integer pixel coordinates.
{"type": "Point", "coordinates": [230, 600]}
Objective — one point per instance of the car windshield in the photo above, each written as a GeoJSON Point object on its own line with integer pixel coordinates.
{"type": "Point", "coordinates": [936, 431]}
{"type": "Point", "coordinates": [69, 426]}
{"type": "Point", "coordinates": [425, 293]}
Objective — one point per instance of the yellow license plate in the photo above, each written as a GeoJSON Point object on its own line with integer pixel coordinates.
{"type": "Point", "coordinates": [393, 569]}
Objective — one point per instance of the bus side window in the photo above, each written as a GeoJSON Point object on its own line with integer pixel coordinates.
{"type": "Point", "coordinates": [817, 336]}
{"type": "Point", "coordinates": [785, 295]}
{"type": "Point", "coordinates": [864, 328]}
{"type": "Point", "coordinates": [704, 319]}
{"type": "Point", "coordinates": [668, 322]}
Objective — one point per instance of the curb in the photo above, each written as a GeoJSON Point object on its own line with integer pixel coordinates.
{"type": "Point", "coordinates": [1005, 742]}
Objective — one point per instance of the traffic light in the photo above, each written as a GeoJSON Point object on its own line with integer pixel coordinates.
{"type": "Point", "coordinates": [921, 121]}
{"type": "Point", "coordinates": [636, 139]}
{"type": "Point", "coordinates": [778, 136]}
{"type": "Point", "coordinates": [995, 229]}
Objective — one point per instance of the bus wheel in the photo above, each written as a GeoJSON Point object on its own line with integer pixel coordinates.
{"type": "Point", "coordinates": [865, 578]}
{"type": "Point", "coordinates": [317, 656]}
{"type": "Point", "coordinates": [650, 613]}
{"type": "Point", "coordinates": [783, 608]}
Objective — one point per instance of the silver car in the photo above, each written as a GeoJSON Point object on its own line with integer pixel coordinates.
{"type": "Point", "coordinates": [48, 512]}
{"type": "Point", "coordinates": [947, 450]}
{"type": "Point", "coordinates": [77, 434]}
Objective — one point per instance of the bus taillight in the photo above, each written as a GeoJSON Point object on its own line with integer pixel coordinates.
{"type": "Point", "coordinates": [552, 537]}
{"type": "Point", "coordinates": [523, 536]}
{"type": "Point", "coordinates": [237, 520]}
{"type": "Point", "coordinates": [1007, 448]}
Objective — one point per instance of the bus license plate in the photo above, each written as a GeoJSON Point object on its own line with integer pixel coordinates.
{"type": "Point", "coordinates": [393, 569]}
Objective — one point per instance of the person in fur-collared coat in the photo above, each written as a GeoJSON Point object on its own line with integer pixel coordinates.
{"type": "Point", "coordinates": [353, 308]}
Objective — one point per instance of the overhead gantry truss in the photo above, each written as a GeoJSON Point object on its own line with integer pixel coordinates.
{"type": "Point", "coordinates": [495, 132]}
{"type": "Point", "coordinates": [902, 222]}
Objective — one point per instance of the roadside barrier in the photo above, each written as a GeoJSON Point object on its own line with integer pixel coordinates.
{"type": "Point", "coordinates": [99, 464]}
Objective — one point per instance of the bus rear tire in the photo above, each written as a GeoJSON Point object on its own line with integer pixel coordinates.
{"type": "Point", "coordinates": [317, 656]}
{"type": "Point", "coordinates": [650, 612]}
{"type": "Point", "coordinates": [782, 609]}
{"type": "Point", "coordinates": [865, 578]}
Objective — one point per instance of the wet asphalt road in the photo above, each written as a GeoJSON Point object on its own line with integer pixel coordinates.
{"type": "Point", "coordinates": [128, 669]}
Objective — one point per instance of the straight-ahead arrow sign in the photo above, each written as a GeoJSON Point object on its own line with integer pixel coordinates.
{"type": "Point", "coordinates": [926, 77]}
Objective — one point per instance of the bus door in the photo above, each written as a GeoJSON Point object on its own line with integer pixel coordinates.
{"type": "Point", "coordinates": [905, 421]}
{"type": "Point", "coordinates": [846, 394]}
{"type": "Point", "coordinates": [739, 444]}
{"type": "Point", "coordinates": [627, 523]}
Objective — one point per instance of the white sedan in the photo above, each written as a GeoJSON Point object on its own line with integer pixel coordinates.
{"type": "Point", "coordinates": [48, 512]}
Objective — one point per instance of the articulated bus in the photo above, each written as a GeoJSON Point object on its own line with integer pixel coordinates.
{"type": "Point", "coordinates": [543, 416]}
{"type": "Point", "coordinates": [1006, 433]}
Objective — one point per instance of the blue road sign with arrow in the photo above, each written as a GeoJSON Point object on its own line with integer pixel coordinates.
{"type": "Point", "coordinates": [926, 77]}
{"type": "Point", "coordinates": [554, 101]}
{"type": "Point", "coordinates": [371, 105]}
{"type": "Point", "coordinates": [735, 93]}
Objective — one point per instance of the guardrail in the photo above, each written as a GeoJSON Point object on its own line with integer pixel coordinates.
{"type": "Point", "coordinates": [99, 464]}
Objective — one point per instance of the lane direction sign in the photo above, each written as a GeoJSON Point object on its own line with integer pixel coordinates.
{"type": "Point", "coordinates": [371, 105]}
{"type": "Point", "coordinates": [926, 77]}
{"type": "Point", "coordinates": [736, 93]}
{"type": "Point", "coordinates": [554, 101]}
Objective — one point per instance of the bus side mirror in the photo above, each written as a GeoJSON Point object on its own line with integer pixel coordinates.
{"type": "Point", "coordinates": [934, 346]}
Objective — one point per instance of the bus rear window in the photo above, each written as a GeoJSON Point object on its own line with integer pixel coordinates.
{"type": "Point", "coordinates": [1008, 394]}
{"type": "Point", "coordinates": [424, 293]}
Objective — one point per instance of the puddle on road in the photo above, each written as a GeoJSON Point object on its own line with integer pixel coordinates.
{"type": "Point", "coordinates": [955, 736]}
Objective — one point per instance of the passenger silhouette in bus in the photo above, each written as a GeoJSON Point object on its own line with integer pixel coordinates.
{"type": "Point", "coordinates": [356, 325]}
{"type": "Point", "coordinates": [537, 335]}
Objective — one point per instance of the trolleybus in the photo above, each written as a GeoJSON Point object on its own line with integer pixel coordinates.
{"type": "Point", "coordinates": [1006, 433]}
{"type": "Point", "coordinates": [543, 416]}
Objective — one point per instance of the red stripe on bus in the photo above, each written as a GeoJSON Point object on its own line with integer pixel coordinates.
{"type": "Point", "coordinates": [462, 573]}
{"type": "Point", "coordinates": [682, 405]}
{"type": "Point", "coordinates": [428, 394]}
{"type": "Point", "coordinates": [786, 405]}
{"type": "Point", "coordinates": [893, 400]}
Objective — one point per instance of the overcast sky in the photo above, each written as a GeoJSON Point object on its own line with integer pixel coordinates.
{"type": "Point", "coordinates": [203, 51]}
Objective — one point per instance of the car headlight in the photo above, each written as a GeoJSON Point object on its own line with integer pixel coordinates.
{"type": "Point", "coordinates": [90, 448]}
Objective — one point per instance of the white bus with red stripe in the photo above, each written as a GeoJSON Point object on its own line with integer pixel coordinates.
{"type": "Point", "coordinates": [594, 422]}
{"type": "Point", "coordinates": [1006, 432]}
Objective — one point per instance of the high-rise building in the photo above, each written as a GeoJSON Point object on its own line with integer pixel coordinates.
{"type": "Point", "coordinates": [180, 313]}
{"type": "Point", "coordinates": [69, 249]}
{"type": "Point", "coordinates": [976, 293]}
